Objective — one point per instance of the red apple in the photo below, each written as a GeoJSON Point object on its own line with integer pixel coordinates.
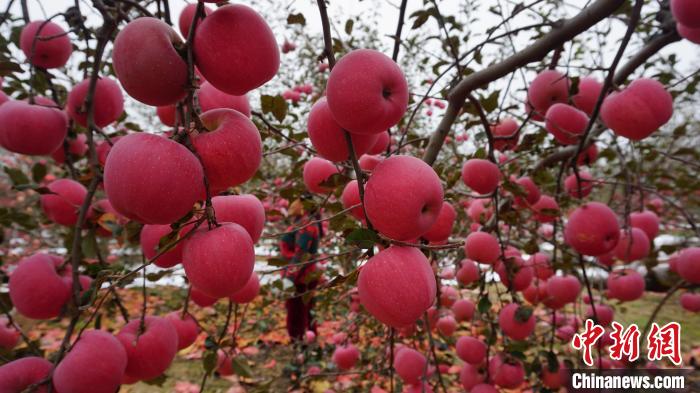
{"type": "Point", "coordinates": [200, 298]}
{"type": "Point", "coordinates": [547, 89]}
{"type": "Point", "coordinates": [565, 123]}
{"type": "Point", "coordinates": [150, 351]}
{"type": "Point", "coordinates": [483, 388]}
{"type": "Point", "coordinates": [515, 273]}
{"type": "Point", "coordinates": [9, 336]}
{"type": "Point", "coordinates": [638, 110]}
{"type": "Point", "coordinates": [351, 197]}
{"type": "Point", "coordinates": [686, 12]}
{"type": "Point", "coordinates": [403, 197]}
{"type": "Point", "coordinates": [463, 309]}
{"type": "Point", "coordinates": [187, 15]}
{"type": "Point", "coordinates": [45, 44]}
{"type": "Point", "coordinates": [442, 228]}
{"type": "Point", "coordinates": [368, 162]}
{"type": "Point", "coordinates": [625, 285]}
{"type": "Point", "coordinates": [446, 325]}
{"type": "Point", "coordinates": [647, 221]}
{"type": "Point", "coordinates": [589, 89]}
{"type": "Point", "coordinates": [410, 365]}
{"type": "Point", "coordinates": [64, 202]}
{"type": "Point", "coordinates": [482, 176]}
{"type": "Point", "coordinates": [471, 376]}
{"type": "Point", "coordinates": [505, 134]}
{"type": "Point", "coordinates": [532, 192]}
{"type": "Point", "coordinates": [219, 262]}
{"type": "Point", "coordinates": [634, 247]}
{"type": "Point", "coordinates": [31, 129]}
{"type": "Point", "coordinates": [231, 151]}
{"type": "Point", "coordinates": [367, 92]}
{"type": "Point", "coordinates": [244, 210]}
{"type": "Point", "coordinates": [382, 143]}
{"type": "Point", "coordinates": [167, 115]}
{"type": "Point", "coordinates": [482, 247]}
{"type": "Point", "coordinates": [516, 322]}
{"type": "Point", "coordinates": [212, 98]}
{"type": "Point", "coordinates": [248, 292]}
{"type": "Point", "coordinates": [18, 375]}
{"type": "Point", "coordinates": [555, 379]}
{"type": "Point", "coordinates": [603, 312]}
{"type": "Point", "coordinates": [150, 70]}
{"type": "Point", "coordinates": [150, 243]}
{"type": "Point", "coordinates": [506, 372]}
{"type": "Point", "coordinates": [689, 33]}
{"type": "Point", "coordinates": [328, 138]}
{"type": "Point", "coordinates": [108, 102]}
{"type": "Point", "coordinates": [572, 186]}
{"type": "Point", "coordinates": [471, 350]}
{"type": "Point", "coordinates": [588, 156]}
{"type": "Point", "coordinates": [345, 357]}
{"type": "Point", "coordinates": [690, 301]}
{"type": "Point", "coordinates": [468, 272]}
{"type": "Point", "coordinates": [688, 265]}
{"type": "Point", "coordinates": [592, 229]}
{"type": "Point", "coordinates": [95, 364]}
{"type": "Point", "coordinates": [186, 328]}
{"type": "Point", "coordinates": [562, 290]}
{"type": "Point", "coordinates": [37, 291]}
{"type": "Point", "coordinates": [235, 49]}
{"type": "Point", "coordinates": [540, 262]}
{"type": "Point", "coordinates": [397, 286]}
{"type": "Point", "coordinates": [76, 146]}
{"type": "Point", "coordinates": [148, 190]}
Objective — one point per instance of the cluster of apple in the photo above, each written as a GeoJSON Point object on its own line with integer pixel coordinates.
{"type": "Point", "coordinates": [295, 94]}
{"type": "Point", "coordinates": [227, 152]}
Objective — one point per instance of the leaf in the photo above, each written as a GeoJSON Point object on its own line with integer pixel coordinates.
{"type": "Point", "coordinates": [490, 103]}
{"type": "Point", "coordinates": [277, 262]}
{"type": "Point", "coordinates": [38, 172]}
{"type": "Point", "coordinates": [484, 305]}
{"type": "Point", "coordinates": [523, 313]}
{"type": "Point", "coordinates": [157, 381]}
{"type": "Point", "coordinates": [209, 361]}
{"type": "Point", "coordinates": [17, 176]}
{"type": "Point", "coordinates": [8, 67]}
{"type": "Point", "coordinates": [241, 368]}
{"type": "Point", "coordinates": [421, 17]}
{"type": "Point", "coordinates": [296, 19]}
{"type": "Point", "coordinates": [363, 238]}
{"type": "Point", "coordinates": [348, 26]}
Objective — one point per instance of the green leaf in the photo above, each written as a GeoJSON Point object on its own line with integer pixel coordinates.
{"type": "Point", "coordinates": [241, 368]}
{"type": "Point", "coordinates": [348, 26]}
{"type": "Point", "coordinates": [8, 67]}
{"type": "Point", "coordinates": [523, 313]}
{"type": "Point", "coordinates": [279, 108]}
{"type": "Point", "coordinates": [484, 305]}
{"type": "Point", "coordinates": [363, 238]}
{"type": "Point", "coordinates": [17, 176]}
{"type": "Point", "coordinates": [296, 19]}
{"type": "Point", "coordinates": [209, 361]}
{"type": "Point", "coordinates": [38, 172]}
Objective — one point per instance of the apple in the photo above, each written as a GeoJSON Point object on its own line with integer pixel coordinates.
{"type": "Point", "coordinates": [482, 176]}
{"type": "Point", "coordinates": [103, 148]}
{"type": "Point", "coordinates": [463, 310]}
{"type": "Point", "coordinates": [647, 221]}
{"type": "Point", "coordinates": [689, 33]}
{"type": "Point", "coordinates": [167, 115]}
{"type": "Point", "coordinates": [442, 228]}
{"type": "Point", "coordinates": [9, 336]}
{"type": "Point", "coordinates": [603, 312]}
{"type": "Point", "coordinates": [532, 192]}
{"type": "Point", "coordinates": [625, 285]}
{"type": "Point", "coordinates": [397, 286]}
{"type": "Point", "coordinates": [235, 49]}
{"type": "Point", "coordinates": [148, 190]}
{"type": "Point", "coordinates": [588, 156]}
{"type": "Point", "coordinates": [248, 292]}
{"type": "Point", "coordinates": [506, 372]}
{"type": "Point", "coordinates": [446, 325]}
{"type": "Point", "coordinates": [351, 197]}
{"type": "Point", "coordinates": [346, 356]}
{"type": "Point", "coordinates": [328, 138]}
{"type": "Point", "coordinates": [95, 364]}
{"type": "Point", "coordinates": [633, 245]}
{"type": "Point", "coordinates": [562, 290]}
{"type": "Point", "coordinates": [468, 272]}
{"type": "Point", "coordinates": [483, 388]}
{"type": "Point", "coordinates": [540, 262]}
{"type": "Point", "coordinates": [505, 134]}
{"type": "Point", "coordinates": [224, 365]}
{"type": "Point", "coordinates": [471, 350]}
{"type": "Point", "coordinates": [219, 261]}
{"type": "Point", "coordinates": [690, 301]}
{"type": "Point", "coordinates": [572, 186]}
{"type": "Point", "coordinates": [77, 147]}
{"type": "Point", "coordinates": [245, 210]}
{"type": "Point", "coordinates": [554, 379]}
{"type": "Point", "coordinates": [150, 70]}
{"type": "Point", "coordinates": [200, 298]}
{"type": "Point", "coordinates": [589, 89]}
{"type": "Point", "coordinates": [403, 197]}
{"type": "Point", "coordinates": [150, 243]}
{"type": "Point", "coordinates": [638, 110]}
{"type": "Point", "coordinates": [367, 92]}
{"type": "Point", "coordinates": [688, 265]}
{"type": "Point", "coordinates": [448, 296]}
{"type": "Point", "coordinates": [566, 123]}
{"type": "Point", "coordinates": [212, 98]}
{"type": "Point", "coordinates": [108, 102]}
{"type": "Point", "coordinates": [410, 365]}
{"type": "Point", "coordinates": [548, 88]}
{"type": "Point", "coordinates": [482, 247]}
{"type": "Point", "coordinates": [536, 292]}
{"type": "Point", "coordinates": [592, 229]}
{"type": "Point", "coordinates": [517, 275]}
{"type": "Point", "coordinates": [368, 162]}
{"type": "Point", "coordinates": [36, 289]}
{"type": "Point", "coordinates": [63, 203]}
{"type": "Point", "coordinates": [36, 130]}
{"type": "Point", "coordinates": [516, 322]}
{"type": "Point", "coordinates": [686, 12]}
{"type": "Point", "coordinates": [187, 15]}
{"type": "Point", "coordinates": [18, 375]}
{"type": "Point", "coordinates": [381, 144]}
{"type": "Point", "coordinates": [471, 376]}
{"type": "Point", "coordinates": [231, 151]}
{"type": "Point", "coordinates": [150, 351]}
{"type": "Point", "coordinates": [316, 171]}
{"type": "Point", "coordinates": [45, 44]}
{"type": "Point", "coordinates": [186, 328]}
